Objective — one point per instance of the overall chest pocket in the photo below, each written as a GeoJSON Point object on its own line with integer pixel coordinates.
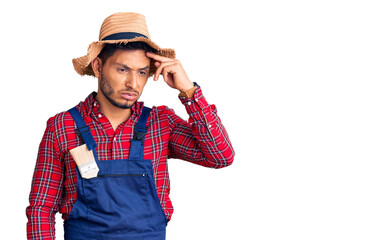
{"type": "Point", "coordinates": [117, 203]}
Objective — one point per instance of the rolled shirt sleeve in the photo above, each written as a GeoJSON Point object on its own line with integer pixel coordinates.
{"type": "Point", "coordinates": [203, 139]}
{"type": "Point", "coordinates": [46, 188]}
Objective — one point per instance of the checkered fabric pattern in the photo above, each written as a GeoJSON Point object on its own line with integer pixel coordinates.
{"type": "Point", "coordinates": [202, 140]}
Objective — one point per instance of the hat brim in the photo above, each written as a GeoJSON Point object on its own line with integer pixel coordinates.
{"type": "Point", "coordinates": [82, 64]}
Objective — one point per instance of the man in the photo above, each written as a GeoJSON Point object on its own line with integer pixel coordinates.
{"type": "Point", "coordinates": [103, 163]}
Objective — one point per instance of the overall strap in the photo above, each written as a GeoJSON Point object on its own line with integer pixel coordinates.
{"type": "Point", "coordinates": [82, 129]}
{"type": "Point", "coordinates": [137, 144]}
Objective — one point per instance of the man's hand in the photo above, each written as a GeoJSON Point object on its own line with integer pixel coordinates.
{"type": "Point", "coordinates": [173, 73]}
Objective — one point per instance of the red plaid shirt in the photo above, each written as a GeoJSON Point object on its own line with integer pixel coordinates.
{"type": "Point", "coordinates": [202, 140]}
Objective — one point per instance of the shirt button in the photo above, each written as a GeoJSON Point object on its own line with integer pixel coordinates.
{"type": "Point", "coordinates": [209, 126]}
{"type": "Point", "coordinates": [114, 139]}
{"type": "Point", "coordinates": [94, 104]}
{"type": "Point", "coordinates": [188, 103]}
{"type": "Point", "coordinates": [99, 115]}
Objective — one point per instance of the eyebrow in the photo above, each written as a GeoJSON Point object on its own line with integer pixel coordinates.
{"type": "Point", "coordinates": [128, 68]}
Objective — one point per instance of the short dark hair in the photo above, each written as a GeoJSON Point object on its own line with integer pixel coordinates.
{"type": "Point", "coordinates": [110, 48]}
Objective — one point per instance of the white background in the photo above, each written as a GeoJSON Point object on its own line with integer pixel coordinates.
{"type": "Point", "coordinates": [302, 87]}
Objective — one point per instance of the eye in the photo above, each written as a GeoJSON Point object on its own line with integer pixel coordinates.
{"type": "Point", "coordinates": [122, 69]}
{"type": "Point", "coordinates": [142, 73]}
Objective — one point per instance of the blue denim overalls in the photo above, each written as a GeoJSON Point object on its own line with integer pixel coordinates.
{"type": "Point", "coordinates": [121, 202]}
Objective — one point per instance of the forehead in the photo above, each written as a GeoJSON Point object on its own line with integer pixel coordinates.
{"type": "Point", "coordinates": [131, 58]}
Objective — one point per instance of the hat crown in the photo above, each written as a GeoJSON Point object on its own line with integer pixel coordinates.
{"type": "Point", "coordinates": [123, 22]}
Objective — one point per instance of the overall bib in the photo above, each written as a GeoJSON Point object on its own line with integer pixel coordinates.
{"type": "Point", "coordinates": [121, 202]}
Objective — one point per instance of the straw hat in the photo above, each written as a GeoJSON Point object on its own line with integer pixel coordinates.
{"type": "Point", "coordinates": [120, 27]}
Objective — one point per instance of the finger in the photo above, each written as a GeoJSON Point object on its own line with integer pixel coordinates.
{"type": "Point", "coordinates": [167, 76]}
{"type": "Point", "coordinates": [158, 57]}
{"type": "Point", "coordinates": [157, 64]}
{"type": "Point", "coordinates": [165, 73]}
{"type": "Point", "coordinates": [160, 69]}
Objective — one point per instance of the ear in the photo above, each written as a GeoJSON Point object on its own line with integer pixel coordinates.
{"type": "Point", "coordinates": [96, 66]}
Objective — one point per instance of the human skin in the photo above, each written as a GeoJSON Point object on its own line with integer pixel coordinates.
{"type": "Point", "coordinates": [122, 78]}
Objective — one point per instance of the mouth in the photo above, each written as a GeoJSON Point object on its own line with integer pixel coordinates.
{"type": "Point", "coordinates": [129, 95]}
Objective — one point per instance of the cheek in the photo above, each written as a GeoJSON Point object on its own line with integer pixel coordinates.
{"type": "Point", "coordinates": [143, 81]}
{"type": "Point", "coordinates": [116, 79]}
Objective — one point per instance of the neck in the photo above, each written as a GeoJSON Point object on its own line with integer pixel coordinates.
{"type": "Point", "coordinates": [114, 114]}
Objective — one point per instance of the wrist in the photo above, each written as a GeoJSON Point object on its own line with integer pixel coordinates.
{"type": "Point", "coordinates": [187, 87]}
{"type": "Point", "coordinates": [190, 91]}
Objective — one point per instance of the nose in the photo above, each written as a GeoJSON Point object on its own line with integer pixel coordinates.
{"type": "Point", "coordinates": [131, 81]}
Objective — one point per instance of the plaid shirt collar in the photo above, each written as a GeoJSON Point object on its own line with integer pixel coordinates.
{"type": "Point", "coordinates": [90, 105]}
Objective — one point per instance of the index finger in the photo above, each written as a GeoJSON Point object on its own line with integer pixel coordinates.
{"type": "Point", "coordinates": [156, 57]}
